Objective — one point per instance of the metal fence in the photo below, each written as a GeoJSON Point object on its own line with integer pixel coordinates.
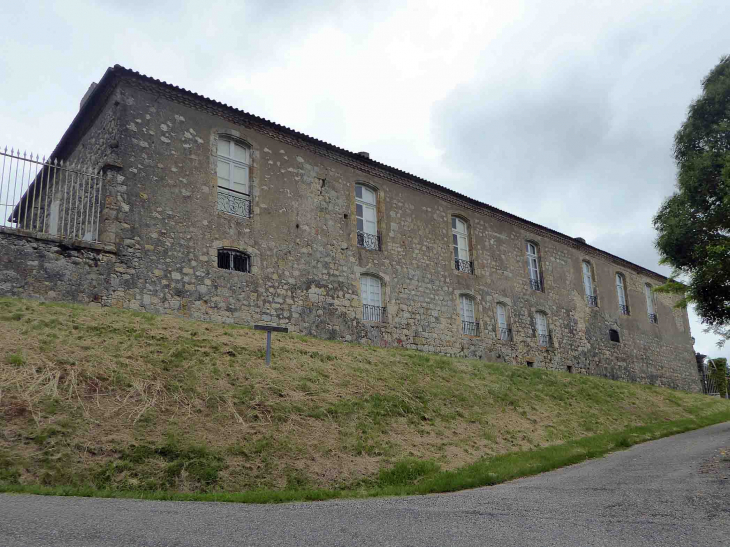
{"type": "Point", "coordinates": [49, 196]}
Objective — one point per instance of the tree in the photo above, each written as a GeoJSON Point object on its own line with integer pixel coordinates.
{"type": "Point", "coordinates": [693, 224]}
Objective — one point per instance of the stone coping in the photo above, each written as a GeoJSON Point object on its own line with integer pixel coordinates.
{"type": "Point", "coordinates": [76, 243]}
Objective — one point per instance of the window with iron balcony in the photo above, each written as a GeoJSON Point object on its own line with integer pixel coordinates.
{"type": "Point", "coordinates": [469, 324]}
{"type": "Point", "coordinates": [366, 211]}
{"type": "Point", "coordinates": [371, 293]}
{"type": "Point", "coordinates": [533, 267]}
{"type": "Point", "coordinates": [234, 193]}
{"type": "Point", "coordinates": [460, 240]}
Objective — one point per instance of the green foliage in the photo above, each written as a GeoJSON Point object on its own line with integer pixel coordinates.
{"type": "Point", "coordinates": [694, 223]}
{"type": "Point", "coordinates": [406, 472]}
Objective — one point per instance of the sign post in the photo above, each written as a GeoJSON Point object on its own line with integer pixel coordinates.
{"type": "Point", "coordinates": [269, 329]}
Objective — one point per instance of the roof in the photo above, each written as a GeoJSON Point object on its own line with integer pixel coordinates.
{"type": "Point", "coordinates": [97, 99]}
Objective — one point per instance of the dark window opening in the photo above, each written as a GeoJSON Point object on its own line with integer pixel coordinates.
{"type": "Point", "coordinates": [530, 364]}
{"type": "Point", "coordinates": [236, 261]}
{"type": "Point", "coordinates": [570, 369]}
{"type": "Point", "coordinates": [613, 335]}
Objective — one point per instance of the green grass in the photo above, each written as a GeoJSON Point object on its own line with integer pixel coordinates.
{"type": "Point", "coordinates": [105, 400]}
{"type": "Point", "coordinates": [411, 477]}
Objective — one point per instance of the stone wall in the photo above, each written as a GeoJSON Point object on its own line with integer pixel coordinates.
{"type": "Point", "coordinates": [161, 215]}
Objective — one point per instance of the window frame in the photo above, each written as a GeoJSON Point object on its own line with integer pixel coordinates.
{"type": "Point", "coordinates": [231, 200]}
{"type": "Point", "coordinates": [461, 245]}
{"type": "Point", "coordinates": [469, 323]}
{"type": "Point", "coordinates": [536, 281]}
{"type": "Point", "coordinates": [504, 331]}
{"type": "Point", "coordinates": [365, 238]}
{"type": "Point", "coordinates": [588, 277]}
{"type": "Point", "coordinates": [372, 311]}
{"type": "Point", "coordinates": [539, 314]}
{"type": "Point", "coordinates": [231, 256]}
{"type": "Point", "coordinates": [232, 162]}
{"type": "Point", "coordinates": [622, 294]}
{"type": "Point", "coordinates": [650, 303]}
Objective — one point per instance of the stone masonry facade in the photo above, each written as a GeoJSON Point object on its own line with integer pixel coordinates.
{"type": "Point", "coordinates": [161, 231]}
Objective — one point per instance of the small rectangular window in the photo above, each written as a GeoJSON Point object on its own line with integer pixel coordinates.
{"type": "Point", "coordinates": [230, 259]}
{"type": "Point", "coordinates": [613, 335]}
{"type": "Point", "coordinates": [570, 369]}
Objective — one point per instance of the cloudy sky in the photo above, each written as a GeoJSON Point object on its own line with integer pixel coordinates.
{"type": "Point", "coordinates": [562, 112]}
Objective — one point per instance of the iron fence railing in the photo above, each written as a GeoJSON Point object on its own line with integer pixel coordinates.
{"type": "Point", "coordinates": [535, 284]}
{"type": "Point", "coordinates": [50, 196]}
{"type": "Point", "coordinates": [592, 300]}
{"type": "Point", "coordinates": [464, 265]}
{"type": "Point", "coordinates": [505, 334]}
{"type": "Point", "coordinates": [369, 241]}
{"type": "Point", "coordinates": [374, 313]}
{"type": "Point", "coordinates": [234, 203]}
{"type": "Point", "coordinates": [653, 318]}
{"type": "Point", "coordinates": [470, 328]}
{"type": "Point", "coordinates": [624, 309]}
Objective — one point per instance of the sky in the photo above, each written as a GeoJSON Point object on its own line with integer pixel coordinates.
{"type": "Point", "coordinates": [562, 112]}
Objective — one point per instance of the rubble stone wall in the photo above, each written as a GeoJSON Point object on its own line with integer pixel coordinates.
{"type": "Point", "coordinates": [161, 215]}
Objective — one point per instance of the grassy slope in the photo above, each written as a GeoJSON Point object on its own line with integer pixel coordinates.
{"type": "Point", "coordinates": [116, 400]}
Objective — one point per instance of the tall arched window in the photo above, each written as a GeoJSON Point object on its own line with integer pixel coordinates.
{"type": "Point", "coordinates": [650, 308]}
{"type": "Point", "coordinates": [623, 305]}
{"type": "Point", "coordinates": [541, 328]}
{"type": "Point", "coordinates": [460, 240]}
{"type": "Point", "coordinates": [366, 211]}
{"type": "Point", "coordinates": [504, 331]}
{"type": "Point", "coordinates": [588, 284]}
{"type": "Point", "coordinates": [533, 266]}
{"type": "Point", "coordinates": [371, 293]}
{"type": "Point", "coordinates": [233, 164]}
{"type": "Point", "coordinates": [469, 323]}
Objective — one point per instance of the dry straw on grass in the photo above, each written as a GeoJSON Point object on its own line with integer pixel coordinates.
{"type": "Point", "coordinates": [89, 387]}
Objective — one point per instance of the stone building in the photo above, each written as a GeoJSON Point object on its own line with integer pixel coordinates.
{"type": "Point", "coordinates": [212, 213]}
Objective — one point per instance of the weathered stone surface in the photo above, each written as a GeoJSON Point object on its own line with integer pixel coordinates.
{"type": "Point", "coordinates": [161, 212]}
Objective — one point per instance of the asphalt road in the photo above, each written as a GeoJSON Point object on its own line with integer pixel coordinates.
{"type": "Point", "coordinates": [675, 491]}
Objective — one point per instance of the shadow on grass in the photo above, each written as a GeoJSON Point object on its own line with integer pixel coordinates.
{"type": "Point", "coordinates": [428, 479]}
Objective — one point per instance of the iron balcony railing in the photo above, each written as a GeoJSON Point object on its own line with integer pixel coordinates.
{"type": "Point", "coordinates": [653, 318]}
{"type": "Point", "coordinates": [544, 340]}
{"type": "Point", "coordinates": [470, 328]}
{"type": "Point", "coordinates": [624, 309]}
{"type": "Point", "coordinates": [49, 196]}
{"type": "Point", "coordinates": [374, 313]}
{"type": "Point", "coordinates": [369, 241]}
{"type": "Point", "coordinates": [536, 284]}
{"type": "Point", "coordinates": [464, 265]}
{"type": "Point", "coordinates": [234, 203]}
{"type": "Point", "coordinates": [505, 334]}
{"type": "Point", "coordinates": [592, 300]}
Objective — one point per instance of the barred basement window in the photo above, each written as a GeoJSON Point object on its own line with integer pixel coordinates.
{"type": "Point", "coordinates": [229, 259]}
{"type": "Point", "coordinates": [613, 335]}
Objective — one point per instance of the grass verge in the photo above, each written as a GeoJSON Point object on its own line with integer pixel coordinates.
{"type": "Point", "coordinates": [484, 472]}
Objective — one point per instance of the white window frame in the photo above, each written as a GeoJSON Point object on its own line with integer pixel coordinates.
{"type": "Point", "coordinates": [233, 163]}
{"type": "Point", "coordinates": [541, 327]}
{"type": "Point", "coordinates": [533, 263]}
{"type": "Point", "coordinates": [371, 294]}
{"type": "Point", "coordinates": [466, 308]}
{"type": "Point", "coordinates": [650, 304]}
{"type": "Point", "coordinates": [587, 279]}
{"type": "Point", "coordinates": [460, 239]}
{"type": "Point", "coordinates": [502, 321]}
{"type": "Point", "coordinates": [367, 212]}
{"type": "Point", "coordinates": [621, 290]}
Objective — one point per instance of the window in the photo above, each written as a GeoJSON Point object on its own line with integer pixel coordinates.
{"type": "Point", "coordinates": [651, 310]}
{"type": "Point", "coordinates": [533, 266]}
{"type": "Point", "coordinates": [230, 259]}
{"type": "Point", "coordinates": [233, 178]}
{"type": "Point", "coordinates": [591, 297]}
{"type": "Point", "coordinates": [530, 364]}
{"type": "Point", "coordinates": [469, 324]}
{"type": "Point", "coordinates": [541, 326]}
{"type": "Point", "coordinates": [621, 292]}
{"type": "Point", "coordinates": [504, 332]}
{"type": "Point", "coordinates": [613, 335]}
{"type": "Point", "coordinates": [367, 218]}
{"type": "Point", "coordinates": [371, 292]}
{"type": "Point", "coordinates": [460, 237]}
{"type": "Point", "coordinates": [569, 368]}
